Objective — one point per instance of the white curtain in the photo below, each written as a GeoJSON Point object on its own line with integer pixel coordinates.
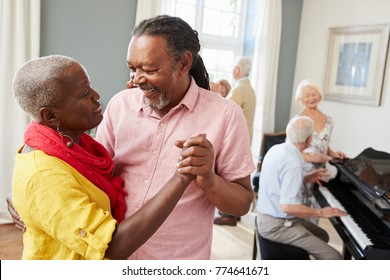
{"type": "Point", "coordinates": [265, 68]}
{"type": "Point", "coordinates": [19, 42]}
{"type": "Point", "coordinates": [149, 8]}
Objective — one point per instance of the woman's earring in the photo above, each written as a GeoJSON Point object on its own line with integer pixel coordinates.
{"type": "Point", "coordinates": [61, 134]}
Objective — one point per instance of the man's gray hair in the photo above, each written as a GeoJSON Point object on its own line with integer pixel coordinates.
{"type": "Point", "coordinates": [244, 63]}
{"type": "Point", "coordinates": [301, 86]}
{"type": "Point", "coordinates": [299, 129]}
{"type": "Point", "coordinates": [38, 82]}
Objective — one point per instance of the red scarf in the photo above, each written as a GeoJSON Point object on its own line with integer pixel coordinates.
{"type": "Point", "coordinates": [89, 158]}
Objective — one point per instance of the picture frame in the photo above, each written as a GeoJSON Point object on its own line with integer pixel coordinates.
{"type": "Point", "coordinates": [356, 64]}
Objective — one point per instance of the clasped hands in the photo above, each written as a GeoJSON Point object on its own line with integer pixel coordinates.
{"type": "Point", "coordinates": [197, 158]}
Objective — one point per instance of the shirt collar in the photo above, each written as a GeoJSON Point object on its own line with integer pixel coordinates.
{"type": "Point", "coordinates": [293, 148]}
{"type": "Point", "coordinates": [242, 79]}
{"type": "Point", "coordinates": [191, 96]}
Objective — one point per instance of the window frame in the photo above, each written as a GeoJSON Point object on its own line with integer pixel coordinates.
{"type": "Point", "coordinates": [217, 42]}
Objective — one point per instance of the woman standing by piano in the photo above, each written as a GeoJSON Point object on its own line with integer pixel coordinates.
{"type": "Point", "coordinates": [309, 94]}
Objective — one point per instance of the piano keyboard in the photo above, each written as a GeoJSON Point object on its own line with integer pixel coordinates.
{"type": "Point", "coordinates": [366, 230]}
{"type": "Point", "coordinates": [360, 237]}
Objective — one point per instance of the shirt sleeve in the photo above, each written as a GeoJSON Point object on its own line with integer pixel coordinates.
{"type": "Point", "coordinates": [63, 210]}
{"type": "Point", "coordinates": [234, 158]}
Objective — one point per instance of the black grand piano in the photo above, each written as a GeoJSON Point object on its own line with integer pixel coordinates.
{"type": "Point", "coordinates": [362, 189]}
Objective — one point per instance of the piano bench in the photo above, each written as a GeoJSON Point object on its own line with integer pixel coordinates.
{"type": "Point", "coordinates": [270, 250]}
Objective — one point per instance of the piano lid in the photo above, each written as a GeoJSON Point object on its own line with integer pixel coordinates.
{"type": "Point", "coordinates": [370, 172]}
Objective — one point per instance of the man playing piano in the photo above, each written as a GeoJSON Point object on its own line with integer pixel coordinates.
{"type": "Point", "coordinates": [282, 216]}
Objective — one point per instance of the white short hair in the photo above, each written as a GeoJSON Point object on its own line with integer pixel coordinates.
{"type": "Point", "coordinates": [39, 81]}
{"type": "Point", "coordinates": [301, 86]}
{"type": "Point", "coordinates": [244, 63]}
{"type": "Point", "coordinates": [299, 129]}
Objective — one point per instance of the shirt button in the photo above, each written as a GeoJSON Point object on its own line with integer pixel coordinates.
{"type": "Point", "coordinates": [82, 233]}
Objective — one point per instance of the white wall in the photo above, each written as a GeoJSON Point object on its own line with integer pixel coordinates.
{"type": "Point", "coordinates": [356, 127]}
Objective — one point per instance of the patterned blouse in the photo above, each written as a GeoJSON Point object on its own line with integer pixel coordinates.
{"type": "Point", "coordinates": [319, 144]}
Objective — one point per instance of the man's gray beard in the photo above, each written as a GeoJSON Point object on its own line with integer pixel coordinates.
{"type": "Point", "coordinates": [162, 102]}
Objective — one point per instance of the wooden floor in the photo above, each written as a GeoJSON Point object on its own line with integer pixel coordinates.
{"type": "Point", "coordinates": [11, 242]}
{"type": "Point", "coordinates": [233, 243]}
{"type": "Point", "coordinates": [226, 238]}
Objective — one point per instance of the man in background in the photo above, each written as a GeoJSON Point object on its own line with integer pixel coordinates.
{"type": "Point", "coordinates": [244, 95]}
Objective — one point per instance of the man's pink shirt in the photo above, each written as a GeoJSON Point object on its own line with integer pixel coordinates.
{"type": "Point", "coordinates": [142, 146]}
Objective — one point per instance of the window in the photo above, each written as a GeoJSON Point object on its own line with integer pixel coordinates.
{"type": "Point", "coordinates": [220, 24]}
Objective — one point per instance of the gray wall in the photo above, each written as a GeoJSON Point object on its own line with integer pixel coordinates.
{"type": "Point", "coordinates": [96, 33]}
{"type": "Point", "coordinates": [291, 19]}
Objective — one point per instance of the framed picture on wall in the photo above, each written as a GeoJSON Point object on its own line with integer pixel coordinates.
{"type": "Point", "coordinates": [356, 64]}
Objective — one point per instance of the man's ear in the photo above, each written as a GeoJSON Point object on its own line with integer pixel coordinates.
{"type": "Point", "coordinates": [186, 63]}
{"type": "Point", "coordinates": [48, 116]}
{"type": "Point", "coordinates": [308, 140]}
